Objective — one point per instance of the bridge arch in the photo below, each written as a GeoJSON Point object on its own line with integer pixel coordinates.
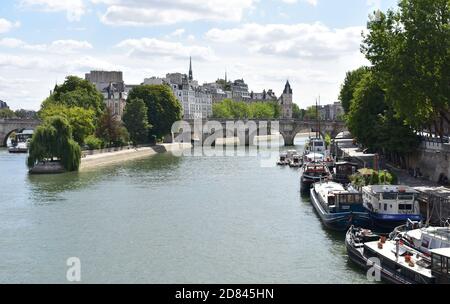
{"type": "Point", "coordinates": [7, 126]}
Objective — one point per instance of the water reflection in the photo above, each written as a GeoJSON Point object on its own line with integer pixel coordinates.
{"type": "Point", "coordinates": [49, 188]}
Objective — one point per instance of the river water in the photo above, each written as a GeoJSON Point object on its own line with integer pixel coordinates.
{"type": "Point", "coordinates": [166, 219]}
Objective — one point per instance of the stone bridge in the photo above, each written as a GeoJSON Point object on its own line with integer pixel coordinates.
{"type": "Point", "coordinates": [246, 130]}
{"type": "Point", "coordinates": [7, 126]}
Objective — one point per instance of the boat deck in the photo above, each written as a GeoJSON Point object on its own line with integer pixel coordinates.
{"type": "Point", "coordinates": [388, 251]}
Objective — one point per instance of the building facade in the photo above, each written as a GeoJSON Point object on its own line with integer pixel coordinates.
{"type": "Point", "coordinates": [333, 111]}
{"type": "Point", "coordinates": [112, 86]}
{"type": "Point", "coordinates": [285, 101]}
{"type": "Point", "coordinates": [195, 100]}
{"type": "Point", "coordinates": [3, 105]}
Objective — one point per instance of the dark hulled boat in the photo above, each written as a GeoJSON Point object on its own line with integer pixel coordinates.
{"type": "Point", "coordinates": [338, 207]}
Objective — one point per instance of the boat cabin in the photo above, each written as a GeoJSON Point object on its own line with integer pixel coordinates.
{"type": "Point", "coordinates": [427, 239]}
{"type": "Point", "coordinates": [313, 157]}
{"type": "Point", "coordinates": [318, 170]}
{"type": "Point", "coordinates": [391, 199]}
{"type": "Point", "coordinates": [440, 265]}
{"type": "Point", "coordinates": [315, 145]}
{"type": "Point", "coordinates": [343, 170]}
{"type": "Point", "coordinates": [335, 198]}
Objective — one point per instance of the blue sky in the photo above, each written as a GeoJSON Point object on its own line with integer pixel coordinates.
{"type": "Point", "coordinates": [310, 42]}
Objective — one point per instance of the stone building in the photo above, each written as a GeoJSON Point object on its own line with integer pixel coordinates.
{"type": "Point", "coordinates": [112, 86]}
{"type": "Point", "coordinates": [285, 101]}
{"type": "Point", "coordinates": [195, 100]}
{"type": "Point", "coordinates": [332, 111]}
{"type": "Point", "coordinates": [3, 105]}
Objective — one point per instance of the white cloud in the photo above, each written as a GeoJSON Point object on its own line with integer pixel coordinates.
{"type": "Point", "coordinates": [178, 32]}
{"type": "Point", "coordinates": [312, 2]}
{"type": "Point", "coordinates": [6, 25]}
{"type": "Point", "coordinates": [58, 46]}
{"type": "Point", "coordinates": [74, 8]}
{"type": "Point", "coordinates": [156, 12]}
{"type": "Point", "coordinates": [151, 47]}
{"type": "Point", "coordinates": [307, 41]}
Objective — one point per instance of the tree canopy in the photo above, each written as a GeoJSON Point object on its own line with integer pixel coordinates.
{"type": "Point", "coordinates": [163, 109]}
{"type": "Point", "coordinates": [409, 49]}
{"type": "Point", "coordinates": [53, 139]}
{"type": "Point", "coordinates": [136, 120]}
{"type": "Point", "coordinates": [230, 109]}
{"type": "Point", "coordinates": [352, 79]}
{"type": "Point", "coordinates": [81, 120]}
{"type": "Point", "coordinates": [76, 92]}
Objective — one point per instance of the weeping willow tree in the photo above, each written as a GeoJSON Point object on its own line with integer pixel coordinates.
{"type": "Point", "coordinates": [53, 140]}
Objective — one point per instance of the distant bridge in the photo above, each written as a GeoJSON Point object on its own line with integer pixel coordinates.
{"type": "Point", "coordinates": [288, 129]}
{"type": "Point", "coordinates": [7, 126]}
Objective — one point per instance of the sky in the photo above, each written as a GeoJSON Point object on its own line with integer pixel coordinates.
{"type": "Point", "coordinates": [311, 43]}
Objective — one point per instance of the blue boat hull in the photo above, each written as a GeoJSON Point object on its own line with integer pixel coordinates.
{"type": "Point", "coordinates": [340, 221]}
{"type": "Point", "coordinates": [390, 221]}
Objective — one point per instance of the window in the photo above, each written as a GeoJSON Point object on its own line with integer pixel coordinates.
{"type": "Point", "coordinates": [405, 197]}
{"type": "Point", "coordinates": [389, 196]}
{"type": "Point", "coordinates": [385, 207]}
{"type": "Point", "coordinates": [405, 207]}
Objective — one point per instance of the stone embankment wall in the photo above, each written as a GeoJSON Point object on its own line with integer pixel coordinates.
{"type": "Point", "coordinates": [433, 161]}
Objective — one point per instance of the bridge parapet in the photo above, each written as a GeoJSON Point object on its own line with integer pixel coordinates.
{"type": "Point", "coordinates": [288, 128]}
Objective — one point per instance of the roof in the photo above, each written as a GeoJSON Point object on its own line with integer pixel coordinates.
{"type": "Point", "coordinates": [441, 251]}
{"type": "Point", "coordinates": [390, 188]}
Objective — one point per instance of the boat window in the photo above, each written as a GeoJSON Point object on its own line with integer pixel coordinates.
{"type": "Point", "coordinates": [405, 207]}
{"type": "Point", "coordinates": [425, 242]}
{"type": "Point", "coordinates": [436, 262]}
{"type": "Point", "coordinates": [389, 196]}
{"type": "Point", "coordinates": [405, 197]}
{"type": "Point", "coordinates": [385, 207]}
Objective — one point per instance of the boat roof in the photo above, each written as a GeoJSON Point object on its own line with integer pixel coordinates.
{"type": "Point", "coordinates": [330, 187]}
{"type": "Point", "coordinates": [441, 251]}
{"type": "Point", "coordinates": [388, 251]}
{"type": "Point", "coordinates": [390, 188]}
{"type": "Point", "coordinates": [314, 155]}
{"type": "Point", "coordinates": [442, 233]}
{"type": "Point", "coordinates": [341, 163]}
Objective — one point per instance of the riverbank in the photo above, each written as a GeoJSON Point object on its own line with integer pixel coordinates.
{"type": "Point", "coordinates": [95, 160]}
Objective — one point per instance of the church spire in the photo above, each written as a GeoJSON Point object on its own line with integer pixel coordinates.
{"type": "Point", "coordinates": [190, 68]}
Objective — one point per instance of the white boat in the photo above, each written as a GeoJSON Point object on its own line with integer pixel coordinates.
{"type": "Point", "coordinates": [396, 263]}
{"type": "Point", "coordinates": [390, 206]}
{"type": "Point", "coordinates": [424, 239]}
{"type": "Point", "coordinates": [315, 145]}
{"type": "Point", "coordinates": [21, 142]}
{"type": "Point", "coordinates": [283, 160]}
{"type": "Point", "coordinates": [295, 161]}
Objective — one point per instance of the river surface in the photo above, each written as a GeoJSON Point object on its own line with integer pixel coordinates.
{"type": "Point", "coordinates": [166, 219]}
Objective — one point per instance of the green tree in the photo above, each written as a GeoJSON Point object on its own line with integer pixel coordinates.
{"type": "Point", "coordinates": [7, 113]}
{"type": "Point", "coordinates": [76, 92]}
{"type": "Point", "coordinates": [261, 110]}
{"type": "Point", "coordinates": [296, 112]}
{"type": "Point", "coordinates": [162, 106]}
{"type": "Point", "coordinates": [363, 118]}
{"type": "Point", "coordinates": [80, 119]}
{"type": "Point", "coordinates": [53, 139]}
{"type": "Point", "coordinates": [111, 130]}
{"type": "Point", "coordinates": [375, 124]}
{"type": "Point", "coordinates": [410, 50]}
{"type": "Point", "coordinates": [352, 79]}
{"type": "Point", "coordinates": [310, 113]}
{"type": "Point", "coordinates": [136, 120]}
